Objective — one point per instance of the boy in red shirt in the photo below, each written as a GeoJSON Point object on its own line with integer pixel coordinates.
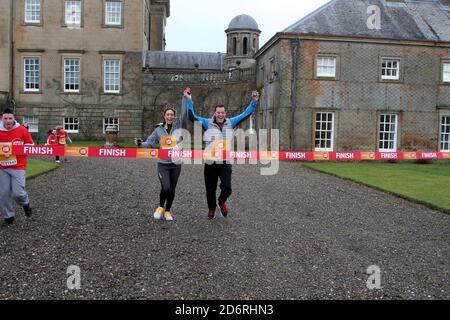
{"type": "Point", "coordinates": [62, 138]}
{"type": "Point", "coordinates": [51, 141]}
{"type": "Point", "coordinates": [51, 138]}
{"type": "Point", "coordinates": [13, 168]}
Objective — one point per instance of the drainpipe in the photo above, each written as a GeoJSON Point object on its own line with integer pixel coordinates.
{"type": "Point", "coordinates": [295, 48]}
{"type": "Point", "coordinates": [12, 46]}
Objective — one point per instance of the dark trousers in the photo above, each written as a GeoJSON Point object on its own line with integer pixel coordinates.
{"type": "Point", "coordinates": [214, 172]}
{"type": "Point", "coordinates": [168, 176]}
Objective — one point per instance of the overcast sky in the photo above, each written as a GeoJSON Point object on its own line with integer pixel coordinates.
{"type": "Point", "coordinates": [199, 25]}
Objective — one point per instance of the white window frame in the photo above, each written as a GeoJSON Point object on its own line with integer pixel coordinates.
{"type": "Point", "coordinates": [324, 129]}
{"type": "Point", "coordinates": [111, 122]}
{"type": "Point", "coordinates": [108, 4]}
{"type": "Point", "coordinates": [67, 16]}
{"type": "Point", "coordinates": [71, 124]}
{"type": "Point", "coordinates": [444, 133]}
{"type": "Point", "coordinates": [33, 123]}
{"type": "Point", "coordinates": [390, 68]}
{"type": "Point", "coordinates": [25, 89]}
{"type": "Point", "coordinates": [324, 66]}
{"type": "Point", "coordinates": [106, 77]}
{"type": "Point", "coordinates": [385, 128]}
{"type": "Point", "coordinates": [446, 72]}
{"type": "Point", "coordinates": [33, 10]}
{"type": "Point", "coordinates": [72, 74]}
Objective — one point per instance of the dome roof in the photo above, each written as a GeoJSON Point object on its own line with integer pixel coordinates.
{"type": "Point", "coordinates": [243, 21]}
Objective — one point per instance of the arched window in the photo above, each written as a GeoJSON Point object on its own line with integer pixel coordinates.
{"type": "Point", "coordinates": [234, 46]}
{"type": "Point", "coordinates": [245, 47]}
{"type": "Point", "coordinates": [254, 43]}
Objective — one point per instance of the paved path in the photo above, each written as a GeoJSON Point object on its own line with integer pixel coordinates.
{"type": "Point", "coordinates": [297, 235]}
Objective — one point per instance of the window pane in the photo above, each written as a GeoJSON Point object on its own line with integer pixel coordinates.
{"type": "Point", "coordinates": [446, 70]}
{"type": "Point", "coordinates": [112, 76]}
{"type": "Point", "coordinates": [110, 122]}
{"type": "Point", "coordinates": [445, 133]}
{"type": "Point", "coordinates": [33, 123]}
{"type": "Point", "coordinates": [390, 69]}
{"type": "Point", "coordinates": [326, 67]}
{"type": "Point", "coordinates": [113, 12]}
{"type": "Point", "coordinates": [324, 131]}
{"type": "Point", "coordinates": [72, 75]}
{"type": "Point", "coordinates": [31, 74]}
{"type": "Point", "coordinates": [71, 125]}
{"type": "Point", "coordinates": [33, 11]}
{"type": "Point", "coordinates": [73, 12]}
{"type": "Point", "coordinates": [388, 135]}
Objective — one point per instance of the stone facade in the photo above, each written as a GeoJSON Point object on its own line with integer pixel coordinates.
{"type": "Point", "coordinates": [293, 92]}
{"type": "Point", "coordinates": [208, 90]}
{"type": "Point", "coordinates": [357, 96]}
{"type": "Point", "coordinates": [158, 10]}
{"type": "Point", "coordinates": [91, 42]}
{"type": "Point", "coordinates": [5, 42]}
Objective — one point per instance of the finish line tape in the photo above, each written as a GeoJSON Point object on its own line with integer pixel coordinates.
{"type": "Point", "coordinates": [90, 152]}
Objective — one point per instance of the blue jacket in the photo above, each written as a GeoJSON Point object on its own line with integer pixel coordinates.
{"type": "Point", "coordinates": [213, 131]}
{"type": "Point", "coordinates": [229, 123]}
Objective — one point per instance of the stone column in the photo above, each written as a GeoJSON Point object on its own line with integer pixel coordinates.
{"type": "Point", "coordinates": [5, 49]}
{"type": "Point", "coordinates": [157, 27]}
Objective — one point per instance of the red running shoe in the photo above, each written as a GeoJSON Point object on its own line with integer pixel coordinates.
{"type": "Point", "coordinates": [224, 209]}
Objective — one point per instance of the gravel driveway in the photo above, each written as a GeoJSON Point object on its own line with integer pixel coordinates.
{"type": "Point", "coordinates": [297, 235]}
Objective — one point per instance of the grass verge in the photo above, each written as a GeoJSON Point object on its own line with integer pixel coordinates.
{"type": "Point", "coordinates": [36, 168]}
{"type": "Point", "coordinates": [427, 184]}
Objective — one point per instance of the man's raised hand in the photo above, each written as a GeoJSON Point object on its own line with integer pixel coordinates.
{"type": "Point", "coordinates": [255, 96]}
{"type": "Point", "coordinates": [187, 93]}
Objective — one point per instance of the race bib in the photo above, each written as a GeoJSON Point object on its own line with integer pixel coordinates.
{"type": "Point", "coordinates": [215, 150]}
{"type": "Point", "coordinates": [168, 142]}
{"type": "Point", "coordinates": [8, 160]}
{"type": "Point", "coordinates": [5, 148]}
{"type": "Point", "coordinates": [219, 145]}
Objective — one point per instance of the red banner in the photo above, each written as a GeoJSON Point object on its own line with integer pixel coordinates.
{"type": "Point", "coordinates": [31, 150]}
{"type": "Point", "coordinates": [112, 153]}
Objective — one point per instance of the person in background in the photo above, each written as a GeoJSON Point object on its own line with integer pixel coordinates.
{"type": "Point", "coordinates": [62, 138]}
{"type": "Point", "coordinates": [51, 141]}
{"type": "Point", "coordinates": [13, 168]}
{"type": "Point", "coordinates": [25, 124]}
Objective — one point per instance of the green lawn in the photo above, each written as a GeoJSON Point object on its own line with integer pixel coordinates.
{"type": "Point", "coordinates": [37, 167]}
{"type": "Point", "coordinates": [100, 143]}
{"type": "Point", "coordinates": [428, 184]}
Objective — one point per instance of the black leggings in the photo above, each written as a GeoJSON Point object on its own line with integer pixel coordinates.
{"type": "Point", "coordinates": [168, 176]}
{"type": "Point", "coordinates": [214, 172]}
